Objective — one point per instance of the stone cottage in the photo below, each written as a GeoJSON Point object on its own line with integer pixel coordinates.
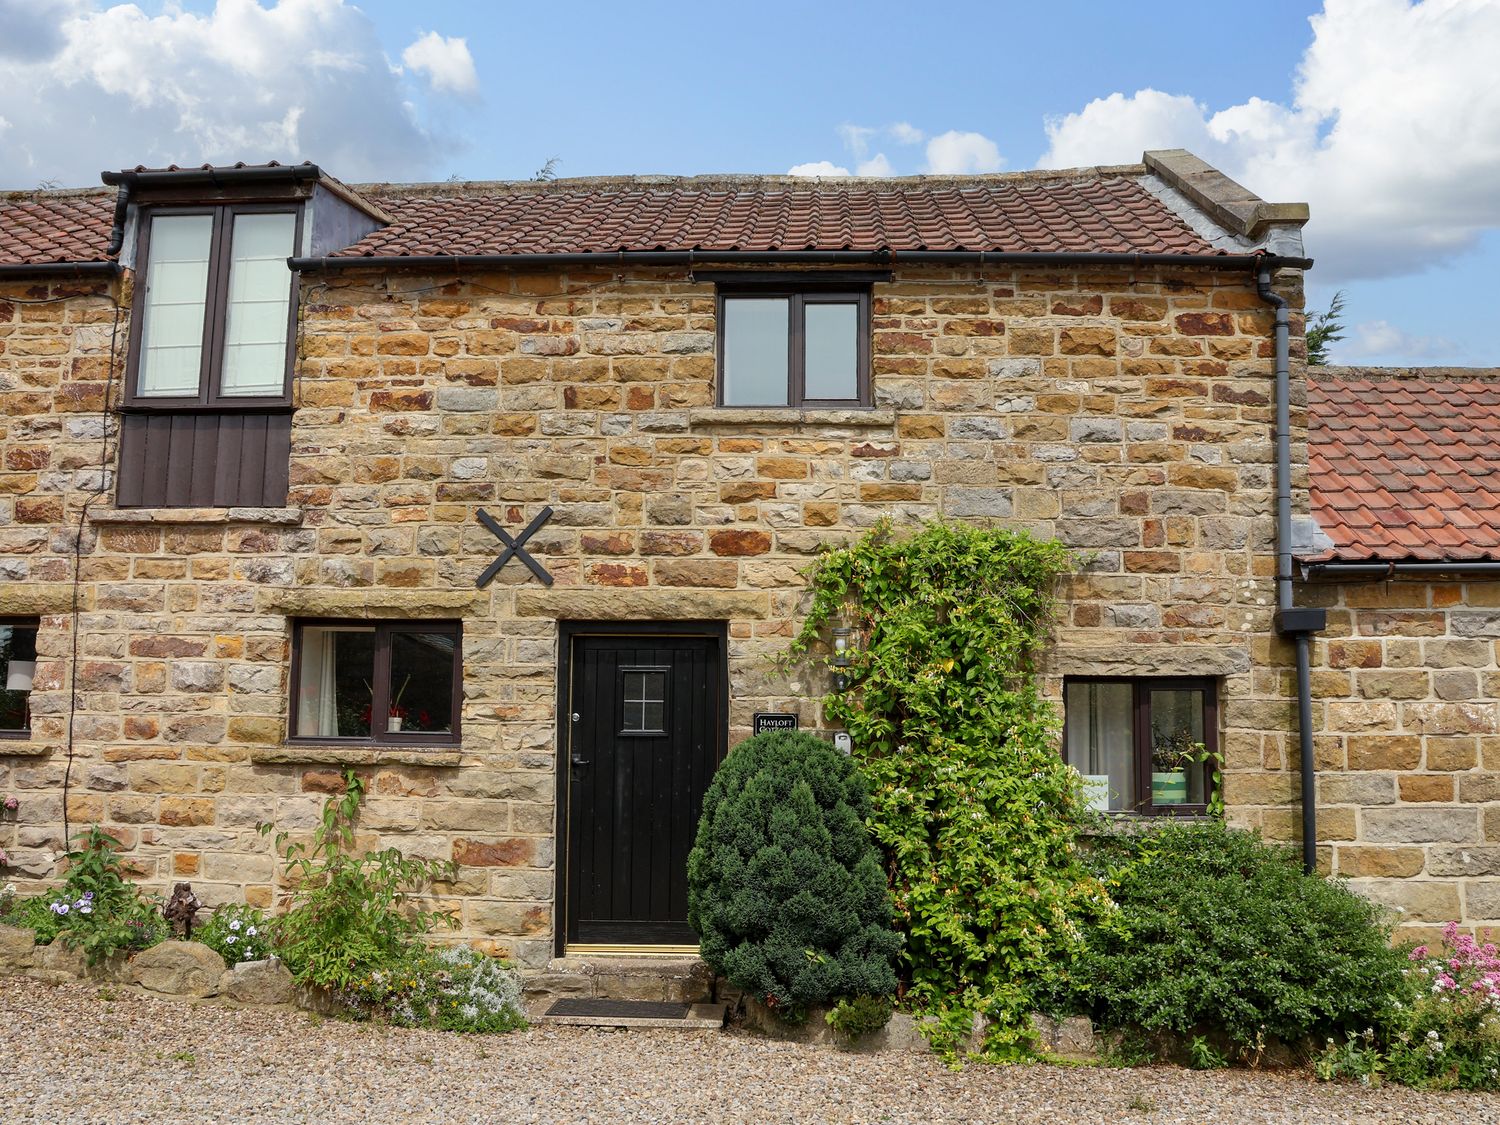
{"type": "Point", "coordinates": [501, 494]}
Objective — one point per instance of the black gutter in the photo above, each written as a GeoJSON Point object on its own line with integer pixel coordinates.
{"type": "Point", "coordinates": [1292, 621]}
{"type": "Point", "coordinates": [117, 231]}
{"type": "Point", "coordinates": [192, 176]}
{"type": "Point", "coordinates": [57, 269]}
{"type": "Point", "coordinates": [1457, 567]}
{"type": "Point", "coordinates": [981, 258]}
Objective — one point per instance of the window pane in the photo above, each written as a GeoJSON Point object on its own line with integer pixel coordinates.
{"type": "Point", "coordinates": [335, 684]}
{"type": "Point", "coordinates": [832, 335]}
{"type": "Point", "coordinates": [1176, 738]}
{"type": "Point", "coordinates": [755, 351]}
{"type": "Point", "coordinates": [421, 682]}
{"type": "Point", "coordinates": [17, 667]}
{"type": "Point", "coordinates": [259, 296]}
{"type": "Point", "coordinates": [644, 702]}
{"type": "Point", "coordinates": [176, 291]}
{"type": "Point", "coordinates": [1101, 745]}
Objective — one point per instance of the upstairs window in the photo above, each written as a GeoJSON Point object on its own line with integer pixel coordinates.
{"type": "Point", "coordinates": [208, 406]}
{"type": "Point", "coordinates": [1143, 745]}
{"type": "Point", "coordinates": [784, 346]}
{"type": "Point", "coordinates": [215, 310]}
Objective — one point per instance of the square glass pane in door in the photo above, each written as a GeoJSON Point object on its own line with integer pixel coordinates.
{"type": "Point", "coordinates": [1101, 742]}
{"type": "Point", "coordinates": [1176, 747]}
{"type": "Point", "coordinates": [643, 700]}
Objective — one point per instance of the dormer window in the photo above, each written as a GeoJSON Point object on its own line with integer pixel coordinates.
{"type": "Point", "coordinates": [215, 311]}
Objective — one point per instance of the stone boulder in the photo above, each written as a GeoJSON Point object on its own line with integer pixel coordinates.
{"type": "Point", "coordinates": [1071, 1038]}
{"type": "Point", "coordinates": [259, 982]}
{"type": "Point", "coordinates": [17, 949]}
{"type": "Point", "coordinates": [56, 963]}
{"type": "Point", "coordinates": [178, 968]}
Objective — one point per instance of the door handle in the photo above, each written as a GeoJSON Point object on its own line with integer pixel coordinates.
{"type": "Point", "coordinates": [579, 760]}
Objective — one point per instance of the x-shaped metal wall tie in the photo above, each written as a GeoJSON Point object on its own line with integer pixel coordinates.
{"type": "Point", "coordinates": [514, 548]}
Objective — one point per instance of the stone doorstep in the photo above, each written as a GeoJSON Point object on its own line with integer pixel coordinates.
{"type": "Point", "coordinates": [700, 1017]}
{"type": "Point", "coordinates": [682, 980]}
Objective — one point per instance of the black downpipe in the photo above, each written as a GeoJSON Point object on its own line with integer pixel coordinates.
{"type": "Point", "coordinates": [1290, 621]}
{"type": "Point", "coordinates": [117, 232]}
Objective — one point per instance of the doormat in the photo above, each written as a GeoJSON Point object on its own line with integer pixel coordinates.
{"type": "Point", "coordinates": [619, 1009]}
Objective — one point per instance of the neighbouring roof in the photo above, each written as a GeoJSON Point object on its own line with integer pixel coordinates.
{"type": "Point", "coordinates": [1405, 465]}
{"type": "Point", "coordinates": [1107, 212]}
{"type": "Point", "coordinates": [1171, 204]}
{"type": "Point", "coordinates": [39, 228]}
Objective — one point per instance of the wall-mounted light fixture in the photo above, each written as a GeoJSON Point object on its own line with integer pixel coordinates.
{"type": "Point", "coordinates": [841, 658]}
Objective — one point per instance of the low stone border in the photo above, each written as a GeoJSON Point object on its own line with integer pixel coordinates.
{"type": "Point", "coordinates": [186, 969]}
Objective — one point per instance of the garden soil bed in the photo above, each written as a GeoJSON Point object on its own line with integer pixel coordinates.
{"type": "Point", "coordinates": [91, 1052]}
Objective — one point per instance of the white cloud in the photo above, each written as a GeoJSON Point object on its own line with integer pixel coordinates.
{"type": "Point", "coordinates": [112, 87]}
{"type": "Point", "coordinates": [1391, 134]}
{"type": "Point", "coordinates": [877, 165]}
{"type": "Point", "coordinates": [956, 154]}
{"type": "Point", "coordinates": [818, 168]}
{"type": "Point", "coordinates": [446, 62]}
{"type": "Point", "coordinates": [856, 139]}
{"type": "Point", "coordinates": [1380, 339]}
{"type": "Point", "coordinates": [904, 134]}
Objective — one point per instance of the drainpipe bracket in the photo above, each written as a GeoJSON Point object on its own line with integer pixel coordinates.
{"type": "Point", "coordinates": [1301, 619]}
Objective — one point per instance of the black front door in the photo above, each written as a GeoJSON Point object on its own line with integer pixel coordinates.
{"type": "Point", "coordinates": [644, 724]}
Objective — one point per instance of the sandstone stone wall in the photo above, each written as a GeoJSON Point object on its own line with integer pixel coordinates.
{"type": "Point", "coordinates": [1127, 413]}
{"type": "Point", "coordinates": [1406, 683]}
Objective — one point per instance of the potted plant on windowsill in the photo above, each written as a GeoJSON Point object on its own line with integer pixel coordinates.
{"type": "Point", "coordinates": [397, 712]}
{"type": "Point", "coordinates": [1171, 758]}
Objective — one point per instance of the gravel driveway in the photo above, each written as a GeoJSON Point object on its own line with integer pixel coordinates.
{"type": "Point", "coordinates": [82, 1053]}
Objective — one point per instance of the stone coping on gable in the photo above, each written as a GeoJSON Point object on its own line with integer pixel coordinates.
{"type": "Point", "coordinates": [274, 517]}
{"type": "Point", "coordinates": [293, 754]}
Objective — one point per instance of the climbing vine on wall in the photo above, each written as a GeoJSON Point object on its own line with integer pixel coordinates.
{"type": "Point", "coordinates": [971, 801]}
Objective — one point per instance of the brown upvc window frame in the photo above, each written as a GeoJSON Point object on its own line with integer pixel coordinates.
{"type": "Point", "coordinates": [798, 297]}
{"type": "Point", "coordinates": [380, 702]}
{"type": "Point", "coordinates": [215, 314]}
{"type": "Point", "coordinates": [1141, 735]}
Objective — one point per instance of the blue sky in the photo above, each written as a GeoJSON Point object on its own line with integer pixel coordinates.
{"type": "Point", "coordinates": [1384, 115]}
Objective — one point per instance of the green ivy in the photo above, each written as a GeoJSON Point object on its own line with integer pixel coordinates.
{"type": "Point", "coordinates": [971, 801]}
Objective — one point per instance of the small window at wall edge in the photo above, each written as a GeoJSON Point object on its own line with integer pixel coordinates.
{"type": "Point", "coordinates": [1144, 745]}
{"type": "Point", "coordinates": [376, 682]}
{"type": "Point", "coordinates": [213, 314]}
{"type": "Point", "coordinates": [17, 671]}
{"type": "Point", "coordinates": [793, 345]}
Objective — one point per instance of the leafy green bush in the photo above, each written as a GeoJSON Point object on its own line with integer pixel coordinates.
{"type": "Point", "coordinates": [236, 932]}
{"type": "Point", "coordinates": [785, 888]}
{"type": "Point", "coordinates": [970, 800]}
{"type": "Point", "coordinates": [349, 914]}
{"type": "Point", "coordinates": [1218, 930]}
{"type": "Point", "coordinates": [96, 910]}
{"type": "Point", "coordinates": [858, 1016]}
{"type": "Point", "coordinates": [454, 989]}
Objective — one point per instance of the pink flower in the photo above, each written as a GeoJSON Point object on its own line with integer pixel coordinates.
{"type": "Point", "coordinates": [1418, 953]}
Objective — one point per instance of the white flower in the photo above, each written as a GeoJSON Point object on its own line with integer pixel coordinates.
{"type": "Point", "coordinates": [10, 888]}
{"type": "Point", "coordinates": [230, 939]}
{"type": "Point", "coordinates": [250, 932]}
{"type": "Point", "coordinates": [85, 908]}
{"type": "Point", "coordinates": [235, 925]}
{"type": "Point", "coordinates": [60, 908]}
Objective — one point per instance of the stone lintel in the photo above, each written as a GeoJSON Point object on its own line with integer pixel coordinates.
{"type": "Point", "coordinates": [643, 605]}
{"type": "Point", "coordinates": [787, 416]}
{"type": "Point", "coordinates": [370, 602]}
{"type": "Point", "coordinates": [354, 756]}
{"type": "Point", "coordinates": [273, 517]}
{"type": "Point", "coordinates": [1236, 207]}
{"type": "Point", "coordinates": [1147, 660]}
{"type": "Point", "coordinates": [20, 599]}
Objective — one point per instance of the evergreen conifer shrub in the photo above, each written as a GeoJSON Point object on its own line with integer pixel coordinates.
{"type": "Point", "coordinates": [785, 887]}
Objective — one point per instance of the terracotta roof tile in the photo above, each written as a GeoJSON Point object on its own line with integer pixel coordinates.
{"type": "Point", "coordinates": [39, 228]}
{"type": "Point", "coordinates": [1405, 467]}
{"type": "Point", "coordinates": [1110, 214]}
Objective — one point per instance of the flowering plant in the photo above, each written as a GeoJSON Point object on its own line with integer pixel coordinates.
{"type": "Point", "coordinates": [96, 909]}
{"type": "Point", "coordinates": [236, 933]}
{"type": "Point", "coordinates": [455, 989]}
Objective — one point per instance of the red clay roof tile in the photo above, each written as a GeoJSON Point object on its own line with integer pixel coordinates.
{"type": "Point", "coordinates": [42, 227]}
{"type": "Point", "coordinates": [1405, 467]}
